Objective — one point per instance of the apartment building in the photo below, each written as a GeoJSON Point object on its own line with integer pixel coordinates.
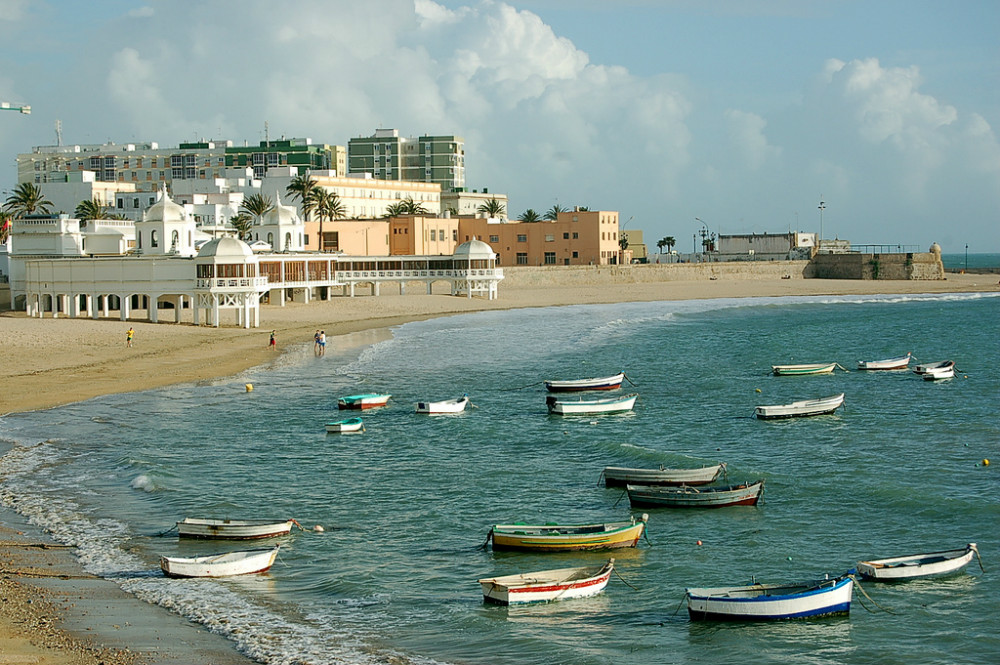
{"type": "Point", "coordinates": [574, 238]}
{"type": "Point", "coordinates": [388, 156]}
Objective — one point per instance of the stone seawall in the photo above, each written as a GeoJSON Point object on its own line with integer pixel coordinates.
{"type": "Point", "coordinates": [540, 276]}
{"type": "Point", "coordinates": [912, 266]}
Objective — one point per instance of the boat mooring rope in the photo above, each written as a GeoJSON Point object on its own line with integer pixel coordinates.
{"type": "Point", "coordinates": [624, 492]}
{"type": "Point", "coordinates": [296, 523]}
{"type": "Point", "coordinates": [599, 477]}
{"type": "Point", "coordinates": [163, 533]}
{"type": "Point", "coordinates": [857, 583]}
{"type": "Point", "coordinates": [487, 541]}
{"type": "Point", "coordinates": [843, 368]}
{"type": "Point", "coordinates": [625, 376]}
{"type": "Point", "coordinates": [679, 605]}
{"type": "Point", "coordinates": [530, 385]}
{"type": "Point", "coordinates": [978, 558]}
{"type": "Point", "coordinates": [623, 579]}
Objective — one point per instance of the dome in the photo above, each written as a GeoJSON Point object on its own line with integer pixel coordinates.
{"type": "Point", "coordinates": [280, 215]}
{"type": "Point", "coordinates": [935, 248]}
{"type": "Point", "coordinates": [227, 248]}
{"type": "Point", "coordinates": [474, 249]}
{"type": "Point", "coordinates": [165, 210]}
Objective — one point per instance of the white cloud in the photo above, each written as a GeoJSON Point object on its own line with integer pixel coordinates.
{"type": "Point", "coordinates": [141, 12]}
{"type": "Point", "coordinates": [13, 10]}
{"type": "Point", "coordinates": [746, 131]}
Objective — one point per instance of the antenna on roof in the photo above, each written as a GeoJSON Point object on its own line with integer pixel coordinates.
{"type": "Point", "coordinates": [58, 132]}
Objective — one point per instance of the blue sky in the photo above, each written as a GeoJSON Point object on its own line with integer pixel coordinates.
{"type": "Point", "coordinates": [743, 114]}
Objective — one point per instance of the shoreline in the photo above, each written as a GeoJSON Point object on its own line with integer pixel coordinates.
{"type": "Point", "coordinates": [51, 362]}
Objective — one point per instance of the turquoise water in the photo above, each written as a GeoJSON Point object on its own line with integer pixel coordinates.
{"type": "Point", "coordinates": [407, 504]}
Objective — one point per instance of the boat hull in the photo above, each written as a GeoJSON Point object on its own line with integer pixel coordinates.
{"type": "Point", "coordinates": [565, 538]}
{"type": "Point", "coordinates": [341, 426]}
{"type": "Point", "coordinates": [447, 406]}
{"type": "Point", "coordinates": [927, 367]}
{"type": "Point", "coordinates": [939, 374]}
{"type": "Point", "coordinates": [547, 585]}
{"type": "Point", "coordinates": [580, 385]}
{"type": "Point", "coordinates": [218, 529]}
{"type": "Point", "coordinates": [803, 409]}
{"type": "Point", "coordinates": [590, 406]}
{"type": "Point", "coordinates": [771, 602]}
{"type": "Point", "coordinates": [890, 364]}
{"type": "Point", "coordinates": [916, 566]}
{"type": "Point", "coordinates": [220, 565]}
{"type": "Point", "coordinates": [648, 496]}
{"type": "Point", "coordinates": [361, 402]}
{"type": "Point", "coordinates": [803, 370]}
{"type": "Point", "coordinates": [616, 476]}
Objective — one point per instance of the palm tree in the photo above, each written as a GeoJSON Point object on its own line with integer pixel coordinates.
{"type": "Point", "coordinates": [660, 244]}
{"type": "Point", "coordinates": [257, 205]}
{"type": "Point", "coordinates": [27, 199]}
{"type": "Point", "coordinates": [670, 241]}
{"type": "Point", "coordinates": [328, 206]}
{"type": "Point", "coordinates": [242, 223]}
{"type": "Point", "coordinates": [411, 207]}
{"type": "Point", "coordinates": [552, 213]}
{"type": "Point", "coordinates": [304, 188]}
{"type": "Point", "coordinates": [583, 208]}
{"type": "Point", "coordinates": [493, 208]}
{"type": "Point", "coordinates": [622, 241]}
{"type": "Point", "coordinates": [530, 216]}
{"type": "Point", "coordinates": [90, 209]}
{"type": "Point", "coordinates": [394, 210]}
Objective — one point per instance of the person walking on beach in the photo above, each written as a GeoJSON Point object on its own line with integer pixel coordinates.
{"type": "Point", "coordinates": [128, 337]}
{"type": "Point", "coordinates": [316, 343]}
{"type": "Point", "coordinates": [322, 342]}
{"type": "Point", "coordinates": [272, 344]}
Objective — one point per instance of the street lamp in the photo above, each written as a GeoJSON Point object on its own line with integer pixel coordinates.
{"type": "Point", "coordinates": [966, 257]}
{"type": "Point", "coordinates": [822, 207]}
{"type": "Point", "coordinates": [705, 233]}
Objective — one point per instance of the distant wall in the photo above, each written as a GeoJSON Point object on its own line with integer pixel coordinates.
{"type": "Point", "coordinates": [525, 276]}
{"type": "Point", "coordinates": [910, 266]}
{"type": "Point", "coordinates": [4, 297]}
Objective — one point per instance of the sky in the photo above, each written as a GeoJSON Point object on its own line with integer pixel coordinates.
{"type": "Point", "coordinates": [737, 116]}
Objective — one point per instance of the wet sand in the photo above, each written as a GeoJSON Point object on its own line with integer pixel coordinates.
{"type": "Point", "coordinates": [52, 612]}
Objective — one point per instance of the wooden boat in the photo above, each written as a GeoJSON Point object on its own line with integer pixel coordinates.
{"type": "Point", "coordinates": [801, 370]}
{"type": "Point", "coordinates": [653, 496]}
{"type": "Point", "coordinates": [618, 476]}
{"type": "Point", "coordinates": [366, 401]}
{"type": "Point", "coordinates": [931, 564]}
{"type": "Point", "coordinates": [590, 406]}
{"type": "Point", "coordinates": [577, 385]}
{"type": "Point", "coordinates": [808, 407]}
{"type": "Point", "coordinates": [939, 373]}
{"type": "Point", "coordinates": [347, 425]}
{"type": "Point", "coordinates": [447, 406]}
{"type": "Point", "coordinates": [923, 368]}
{"type": "Point", "coordinates": [564, 537]}
{"type": "Point", "coordinates": [220, 565]}
{"type": "Point", "coordinates": [901, 362]}
{"type": "Point", "coordinates": [221, 529]}
{"type": "Point", "coordinates": [768, 602]}
{"type": "Point", "coordinates": [547, 585]}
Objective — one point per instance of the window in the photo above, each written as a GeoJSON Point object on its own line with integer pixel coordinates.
{"type": "Point", "coordinates": [121, 203]}
{"type": "Point", "coordinates": [153, 241]}
{"type": "Point", "coordinates": [550, 258]}
{"type": "Point", "coordinates": [135, 203]}
{"type": "Point", "coordinates": [494, 238]}
{"type": "Point", "coordinates": [576, 236]}
{"type": "Point", "coordinates": [454, 235]}
{"type": "Point", "coordinates": [522, 258]}
{"type": "Point", "coordinates": [433, 235]}
{"type": "Point", "coordinates": [522, 237]}
{"type": "Point", "coordinates": [550, 238]}
{"type": "Point", "coordinates": [565, 236]}
{"type": "Point", "coordinates": [576, 255]}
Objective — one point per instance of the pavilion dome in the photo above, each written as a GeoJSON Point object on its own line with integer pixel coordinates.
{"type": "Point", "coordinates": [280, 215]}
{"type": "Point", "coordinates": [226, 248]}
{"type": "Point", "coordinates": [165, 210]}
{"type": "Point", "coordinates": [474, 249]}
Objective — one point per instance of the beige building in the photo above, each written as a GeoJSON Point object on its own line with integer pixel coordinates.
{"type": "Point", "coordinates": [636, 246]}
{"type": "Point", "coordinates": [414, 234]}
{"type": "Point", "coordinates": [575, 238]}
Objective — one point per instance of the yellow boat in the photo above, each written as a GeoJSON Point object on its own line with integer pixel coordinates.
{"type": "Point", "coordinates": [565, 537]}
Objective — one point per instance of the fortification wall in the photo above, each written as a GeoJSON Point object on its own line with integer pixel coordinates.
{"type": "Point", "coordinates": [907, 266]}
{"type": "Point", "coordinates": [540, 276]}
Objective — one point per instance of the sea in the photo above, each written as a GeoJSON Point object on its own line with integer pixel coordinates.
{"type": "Point", "coordinates": [407, 504]}
{"type": "Point", "coordinates": [971, 261]}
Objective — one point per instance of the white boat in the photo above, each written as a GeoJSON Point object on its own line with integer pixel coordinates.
{"type": "Point", "coordinates": [923, 368]}
{"type": "Point", "coordinates": [931, 564]}
{"type": "Point", "coordinates": [245, 562]}
{"type": "Point", "coordinates": [447, 406]}
{"type": "Point", "coordinates": [803, 370]}
{"type": "Point", "coordinates": [366, 401]}
{"type": "Point", "coordinates": [577, 385]}
{"type": "Point", "coordinates": [547, 585]}
{"type": "Point", "coordinates": [222, 529]}
{"type": "Point", "coordinates": [808, 407]}
{"type": "Point", "coordinates": [768, 602]}
{"type": "Point", "coordinates": [939, 373]}
{"type": "Point", "coordinates": [901, 362]}
{"type": "Point", "coordinates": [590, 406]}
{"type": "Point", "coordinates": [619, 476]}
{"type": "Point", "coordinates": [346, 425]}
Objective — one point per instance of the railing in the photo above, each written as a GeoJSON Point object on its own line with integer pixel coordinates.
{"type": "Point", "coordinates": [885, 249]}
{"type": "Point", "coordinates": [231, 283]}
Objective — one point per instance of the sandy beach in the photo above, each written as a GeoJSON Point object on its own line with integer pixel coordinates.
{"type": "Point", "coordinates": [54, 612]}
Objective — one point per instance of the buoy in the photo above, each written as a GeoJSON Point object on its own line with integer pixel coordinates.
{"type": "Point", "coordinates": [249, 387]}
{"type": "Point", "coordinates": [318, 529]}
{"type": "Point", "coordinates": [758, 389]}
{"type": "Point", "coordinates": [698, 543]}
{"type": "Point", "coordinates": [986, 462]}
{"type": "Point", "coordinates": [789, 558]}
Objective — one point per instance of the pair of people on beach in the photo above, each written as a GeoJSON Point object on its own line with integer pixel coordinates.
{"type": "Point", "coordinates": [319, 343]}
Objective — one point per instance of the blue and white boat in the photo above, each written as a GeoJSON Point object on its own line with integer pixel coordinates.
{"type": "Point", "coordinates": [771, 602]}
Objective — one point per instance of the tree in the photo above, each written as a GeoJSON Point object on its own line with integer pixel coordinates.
{"type": "Point", "coordinates": [405, 207]}
{"type": "Point", "coordinates": [242, 222]}
{"type": "Point", "coordinates": [493, 208]}
{"type": "Point", "coordinates": [328, 206]}
{"type": "Point", "coordinates": [669, 241]}
{"type": "Point", "coordinates": [90, 209]}
{"type": "Point", "coordinates": [27, 199]}
{"type": "Point", "coordinates": [660, 244]}
{"type": "Point", "coordinates": [552, 213]}
{"type": "Point", "coordinates": [530, 216]}
{"type": "Point", "coordinates": [622, 240]}
{"type": "Point", "coordinates": [304, 188]}
{"type": "Point", "coordinates": [257, 205]}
